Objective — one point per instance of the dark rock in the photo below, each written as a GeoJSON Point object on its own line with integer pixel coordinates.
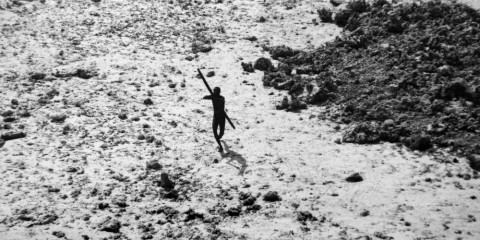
{"type": "Point", "coordinates": [325, 15]}
{"type": "Point", "coordinates": [153, 165]}
{"type": "Point", "coordinates": [24, 113]}
{"type": "Point", "coordinates": [234, 211]}
{"type": "Point", "coordinates": [148, 101]}
{"type": "Point", "coordinates": [38, 76]}
{"type": "Point", "coordinates": [296, 105]}
{"type": "Point", "coordinates": [120, 200]}
{"type": "Point", "coordinates": [248, 67]}
{"type": "Point", "coordinates": [192, 215]}
{"type": "Point", "coordinates": [304, 216]}
{"type": "Point", "coordinates": [251, 39]}
{"type": "Point", "coordinates": [356, 177]}
{"type": "Point", "coordinates": [271, 196]}
{"type": "Point", "coordinates": [474, 160]}
{"type": "Point", "coordinates": [284, 104]}
{"type": "Point", "coordinates": [341, 17]}
{"type": "Point", "coordinates": [14, 102]}
{"type": "Point", "coordinates": [249, 201]}
{"type": "Point", "coordinates": [362, 133]}
{"type": "Point", "coordinates": [282, 51]}
{"type": "Point", "coordinates": [110, 225]}
{"type": "Point", "coordinates": [253, 208]}
{"type": "Point", "coordinates": [150, 139]}
{"type": "Point", "coordinates": [13, 135]}
{"type": "Point", "coordinates": [201, 47]}
{"type": "Point", "coordinates": [165, 182]}
{"type": "Point", "coordinates": [122, 116]}
{"type": "Point", "coordinates": [58, 234]}
{"type": "Point", "coordinates": [172, 194]}
{"type": "Point", "coordinates": [420, 142]}
{"type": "Point", "coordinates": [262, 19]}
{"type": "Point", "coordinates": [172, 85]}
{"type": "Point", "coordinates": [7, 113]}
{"type": "Point", "coordinates": [189, 58]}
{"type": "Point", "coordinates": [71, 169]}
{"type": "Point", "coordinates": [141, 137]}
{"type": "Point", "coordinates": [337, 3]}
{"type": "Point", "coordinates": [2, 142]}
{"type": "Point", "coordinates": [58, 118]}
{"type": "Point", "coordinates": [103, 206]}
{"type": "Point", "coordinates": [263, 64]}
{"type": "Point", "coordinates": [210, 74]}
{"type": "Point", "coordinates": [86, 73]}
{"type": "Point", "coordinates": [9, 119]}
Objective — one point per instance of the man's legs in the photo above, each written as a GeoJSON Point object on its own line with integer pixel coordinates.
{"type": "Point", "coordinates": [217, 138]}
{"type": "Point", "coordinates": [222, 127]}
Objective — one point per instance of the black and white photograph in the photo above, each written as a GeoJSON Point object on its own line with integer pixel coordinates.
{"type": "Point", "coordinates": [240, 119]}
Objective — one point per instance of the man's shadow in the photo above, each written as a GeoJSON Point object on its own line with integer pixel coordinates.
{"type": "Point", "coordinates": [234, 156]}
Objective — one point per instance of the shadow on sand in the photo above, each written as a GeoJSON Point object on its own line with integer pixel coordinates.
{"type": "Point", "coordinates": [234, 156]}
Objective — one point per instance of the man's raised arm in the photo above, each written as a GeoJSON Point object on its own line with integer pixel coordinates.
{"type": "Point", "coordinates": [208, 97]}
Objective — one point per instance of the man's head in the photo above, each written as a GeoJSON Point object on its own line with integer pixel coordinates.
{"type": "Point", "coordinates": [216, 91]}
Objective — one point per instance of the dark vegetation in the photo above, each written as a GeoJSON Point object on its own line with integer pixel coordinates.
{"type": "Point", "coordinates": [406, 73]}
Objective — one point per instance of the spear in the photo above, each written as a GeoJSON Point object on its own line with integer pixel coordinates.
{"type": "Point", "coordinates": [211, 93]}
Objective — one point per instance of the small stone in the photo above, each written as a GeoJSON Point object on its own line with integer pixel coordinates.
{"type": "Point", "coordinates": [120, 200]}
{"type": "Point", "coordinates": [110, 225]}
{"type": "Point", "coordinates": [304, 216]}
{"type": "Point", "coordinates": [141, 137]}
{"type": "Point", "coordinates": [153, 165]}
{"type": "Point", "coordinates": [58, 234]}
{"type": "Point", "coordinates": [249, 201]}
{"type": "Point", "coordinates": [71, 169]}
{"type": "Point", "coordinates": [13, 135]}
{"type": "Point", "coordinates": [211, 74]}
{"type": "Point", "coordinates": [271, 196]}
{"type": "Point", "coordinates": [189, 58]}
{"type": "Point", "coordinates": [7, 113]}
{"type": "Point", "coordinates": [148, 101]}
{"type": "Point", "coordinates": [338, 141]}
{"type": "Point", "coordinates": [38, 76]}
{"type": "Point", "coordinates": [122, 116]}
{"type": "Point", "coordinates": [150, 139]}
{"type": "Point", "coordinates": [172, 85]}
{"type": "Point", "coordinates": [24, 113]}
{"type": "Point", "coordinates": [14, 102]}
{"type": "Point", "coordinates": [58, 118]}
{"type": "Point", "coordinates": [356, 177]}
{"type": "Point", "coordinates": [234, 212]}
{"type": "Point", "coordinates": [158, 142]}
{"type": "Point", "coordinates": [165, 182]}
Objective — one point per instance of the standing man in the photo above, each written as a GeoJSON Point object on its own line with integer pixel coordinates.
{"type": "Point", "coordinates": [218, 115]}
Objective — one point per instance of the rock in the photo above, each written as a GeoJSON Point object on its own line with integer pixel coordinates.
{"type": "Point", "coordinates": [304, 216]}
{"type": "Point", "coordinates": [120, 200]}
{"type": "Point", "coordinates": [356, 177]}
{"type": "Point", "coordinates": [210, 74]}
{"type": "Point", "coordinates": [58, 234]}
{"type": "Point", "coordinates": [110, 225]}
{"type": "Point", "coordinates": [296, 105]}
{"type": "Point", "coordinates": [248, 67]}
{"type": "Point", "coordinates": [150, 139]}
{"type": "Point", "coordinates": [271, 196]}
{"type": "Point", "coordinates": [249, 201]}
{"type": "Point", "coordinates": [363, 133]}
{"type": "Point", "coordinates": [253, 208]}
{"type": "Point", "coordinates": [158, 142]}
{"type": "Point", "coordinates": [38, 76]}
{"type": "Point", "coordinates": [172, 85]}
{"type": "Point", "coordinates": [103, 206]}
{"type": "Point", "coordinates": [234, 211]}
{"type": "Point", "coordinates": [153, 165]}
{"type": "Point", "coordinates": [2, 142]}
{"type": "Point", "coordinates": [251, 38]}
{"type": "Point", "coordinates": [172, 194]}
{"type": "Point", "coordinates": [24, 113]}
{"type": "Point", "coordinates": [7, 113]}
{"type": "Point", "coordinates": [71, 169]}
{"type": "Point", "coordinates": [9, 119]}
{"type": "Point", "coordinates": [341, 17]}
{"type": "Point", "coordinates": [141, 137]}
{"type": "Point", "coordinates": [189, 58]}
{"type": "Point", "coordinates": [58, 118]}
{"type": "Point", "coordinates": [148, 101]}
{"type": "Point", "coordinates": [263, 64]}
{"type": "Point", "coordinates": [284, 104]}
{"type": "Point", "coordinates": [262, 19]}
{"type": "Point", "coordinates": [338, 141]}
{"type": "Point", "coordinates": [281, 51]}
{"type": "Point", "coordinates": [86, 73]}
{"type": "Point", "coordinates": [420, 142]}
{"type": "Point", "coordinates": [325, 15]}
{"type": "Point", "coordinates": [201, 47]}
{"type": "Point", "coordinates": [337, 3]}
{"type": "Point", "coordinates": [457, 89]}
{"type": "Point", "coordinates": [122, 116]}
{"type": "Point", "coordinates": [165, 182]}
{"type": "Point", "coordinates": [474, 161]}
{"type": "Point", "coordinates": [13, 135]}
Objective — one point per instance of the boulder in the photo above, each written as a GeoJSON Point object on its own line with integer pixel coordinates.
{"type": "Point", "coordinates": [109, 224]}
{"type": "Point", "coordinates": [474, 160]}
{"type": "Point", "coordinates": [420, 142]}
{"type": "Point", "coordinates": [153, 165]}
{"type": "Point", "coordinates": [356, 177]}
{"type": "Point", "coordinates": [12, 135]}
{"type": "Point", "coordinates": [248, 67]}
{"type": "Point", "coordinates": [271, 196]}
{"type": "Point", "coordinates": [263, 64]}
{"type": "Point", "coordinates": [363, 133]}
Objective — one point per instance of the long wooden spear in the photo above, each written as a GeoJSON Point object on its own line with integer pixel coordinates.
{"type": "Point", "coordinates": [211, 93]}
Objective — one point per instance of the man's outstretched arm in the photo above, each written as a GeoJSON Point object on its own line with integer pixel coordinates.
{"type": "Point", "coordinates": [208, 97]}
